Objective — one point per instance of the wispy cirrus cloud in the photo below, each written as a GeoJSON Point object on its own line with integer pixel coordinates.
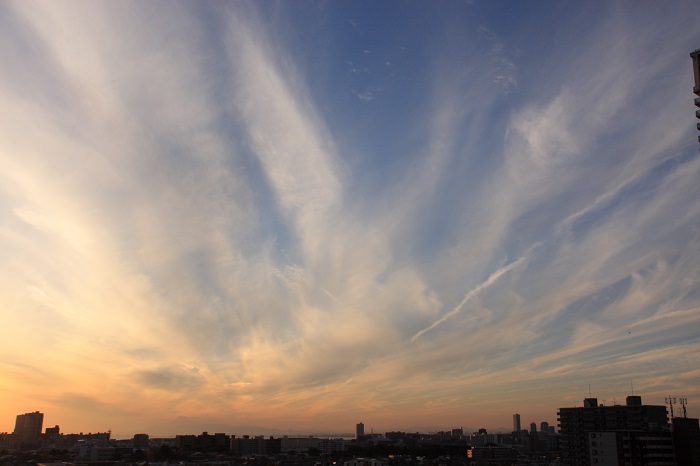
{"type": "Point", "coordinates": [186, 226]}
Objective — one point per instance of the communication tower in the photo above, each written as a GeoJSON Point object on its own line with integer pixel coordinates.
{"type": "Point", "coordinates": [670, 400]}
{"type": "Point", "coordinates": [684, 402]}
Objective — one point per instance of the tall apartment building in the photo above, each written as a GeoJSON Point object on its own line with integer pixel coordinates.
{"type": "Point", "coordinates": [359, 430]}
{"type": "Point", "coordinates": [686, 441]}
{"type": "Point", "coordinates": [516, 422]}
{"type": "Point", "coordinates": [575, 425]}
{"type": "Point", "coordinates": [631, 448]}
{"type": "Point", "coordinates": [695, 56]}
{"type": "Point", "coordinates": [28, 427]}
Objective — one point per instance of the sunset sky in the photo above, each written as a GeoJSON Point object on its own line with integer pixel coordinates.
{"type": "Point", "coordinates": [301, 215]}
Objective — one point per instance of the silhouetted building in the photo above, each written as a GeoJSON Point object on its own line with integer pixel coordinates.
{"type": "Point", "coordinates": [101, 439]}
{"type": "Point", "coordinates": [695, 56]}
{"type": "Point", "coordinates": [544, 427]}
{"type": "Point", "coordinates": [204, 443]}
{"type": "Point", "coordinates": [259, 445]}
{"type": "Point", "coordinates": [298, 444]}
{"type": "Point", "coordinates": [631, 448]}
{"type": "Point", "coordinates": [686, 441]}
{"type": "Point", "coordinates": [359, 430]}
{"type": "Point", "coordinates": [28, 428]}
{"type": "Point", "coordinates": [186, 442]}
{"type": "Point", "coordinates": [483, 438]}
{"type": "Point", "coordinates": [548, 441]}
{"type": "Point", "coordinates": [7, 441]}
{"type": "Point", "coordinates": [492, 454]}
{"type": "Point", "coordinates": [403, 438]}
{"type": "Point", "coordinates": [575, 424]}
{"type": "Point", "coordinates": [88, 450]}
{"type": "Point", "coordinates": [141, 442]}
{"type": "Point", "coordinates": [221, 442]}
{"type": "Point", "coordinates": [516, 422]}
{"type": "Point", "coordinates": [331, 445]}
{"type": "Point", "coordinates": [533, 427]}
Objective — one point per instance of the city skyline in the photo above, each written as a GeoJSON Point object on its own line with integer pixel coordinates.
{"type": "Point", "coordinates": [29, 428]}
{"type": "Point", "coordinates": [305, 215]}
{"type": "Point", "coordinates": [184, 429]}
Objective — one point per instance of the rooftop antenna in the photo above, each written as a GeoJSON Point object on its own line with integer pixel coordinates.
{"type": "Point", "coordinates": [671, 401]}
{"type": "Point", "coordinates": [683, 401]}
{"type": "Point", "coordinates": [632, 386]}
{"type": "Point", "coordinates": [589, 391]}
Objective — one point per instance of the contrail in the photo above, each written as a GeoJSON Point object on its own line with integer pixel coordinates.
{"type": "Point", "coordinates": [493, 278]}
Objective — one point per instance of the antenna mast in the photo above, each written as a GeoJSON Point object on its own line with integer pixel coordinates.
{"type": "Point", "coordinates": [683, 401]}
{"type": "Point", "coordinates": [671, 401]}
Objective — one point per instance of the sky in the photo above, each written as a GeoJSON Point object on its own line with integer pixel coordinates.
{"type": "Point", "coordinates": [304, 215]}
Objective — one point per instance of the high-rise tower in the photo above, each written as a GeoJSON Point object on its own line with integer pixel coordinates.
{"type": "Point", "coordinates": [359, 430]}
{"type": "Point", "coordinates": [28, 427]}
{"type": "Point", "coordinates": [580, 430]}
{"type": "Point", "coordinates": [516, 422]}
{"type": "Point", "coordinates": [695, 56]}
